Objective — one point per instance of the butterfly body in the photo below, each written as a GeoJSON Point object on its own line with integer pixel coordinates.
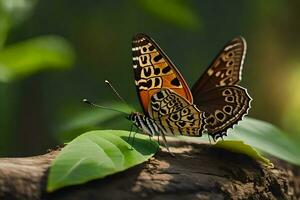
{"type": "Point", "coordinates": [144, 123]}
{"type": "Point", "coordinates": [214, 104]}
{"type": "Point", "coordinates": [169, 115]}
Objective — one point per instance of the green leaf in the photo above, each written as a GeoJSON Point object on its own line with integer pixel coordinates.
{"type": "Point", "coordinates": [4, 25]}
{"type": "Point", "coordinates": [25, 58]}
{"type": "Point", "coordinates": [241, 147]}
{"type": "Point", "coordinates": [12, 13]}
{"type": "Point", "coordinates": [97, 154]}
{"type": "Point", "coordinates": [173, 11]}
{"type": "Point", "coordinates": [17, 10]}
{"type": "Point", "coordinates": [266, 138]}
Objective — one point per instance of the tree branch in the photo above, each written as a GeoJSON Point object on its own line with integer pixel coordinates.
{"type": "Point", "coordinates": [198, 171]}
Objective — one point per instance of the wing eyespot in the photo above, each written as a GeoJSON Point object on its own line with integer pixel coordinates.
{"type": "Point", "coordinates": [227, 92]}
{"type": "Point", "coordinates": [229, 63]}
{"type": "Point", "coordinates": [220, 115]}
{"type": "Point", "coordinates": [228, 109]}
{"type": "Point", "coordinates": [230, 54]}
{"type": "Point", "coordinates": [229, 99]}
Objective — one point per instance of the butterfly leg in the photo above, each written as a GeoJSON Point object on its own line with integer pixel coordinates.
{"type": "Point", "coordinates": [152, 143]}
{"type": "Point", "coordinates": [209, 139]}
{"type": "Point", "coordinates": [215, 140]}
{"type": "Point", "coordinates": [208, 135]}
{"type": "Point", "coordinates": [166, 144]}
{"type": "Point", "coordinates": [128, 139]}
{"type": "Point", "coordinates": [222, 136]}
{"type": "Point", "coordinates": [133, 139]}
{"type": "Point", "coordinates": [158, 142]}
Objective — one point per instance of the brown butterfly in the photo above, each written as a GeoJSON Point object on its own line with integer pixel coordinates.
{"type": "Point", "coordinates": [214, 104]}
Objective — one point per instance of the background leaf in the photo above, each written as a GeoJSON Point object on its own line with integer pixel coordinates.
{"type": "Point", "coordinates": [97, 154]}
{"type": "Point", "coordinates": [266, 138]}
{"type": "Point", "coordinates": [12, 12]}
{"type": "Point", "coordinates": [17, 10]}
{"type": "Point", "coordinates": [173, 11]}
{"type": "Point", "coordinates": [4, 27]}
{"type": "Point", "coordinates": [263, 136]}
{"type": "Point", "coordinates": [25, 58]}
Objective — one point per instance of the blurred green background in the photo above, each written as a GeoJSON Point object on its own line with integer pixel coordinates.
{"type": "Point", "coordinates": [55, 53]}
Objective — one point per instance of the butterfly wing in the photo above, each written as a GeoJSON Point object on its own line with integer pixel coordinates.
{"type": "Point", "coordinates": [153, 70]}
{"type": "Point", "coordinates": [174, 114]}
{"type": "Point", "coordinates": [223, 107]}
{"type": "Point", "coordinates": [225, 69]}
{"type": "Point", "coordinates": [216, 92]}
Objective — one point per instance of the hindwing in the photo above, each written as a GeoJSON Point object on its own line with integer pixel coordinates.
{"type": "Point", "coordinates": [223, 107]}
{"type": "Point", "coordinates": [174, 114]}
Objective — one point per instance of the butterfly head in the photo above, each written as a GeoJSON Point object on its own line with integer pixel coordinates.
{"type": "Point", "coordinates": [144, 123]}
{"type": "Point", "coordinates": [135, 118]}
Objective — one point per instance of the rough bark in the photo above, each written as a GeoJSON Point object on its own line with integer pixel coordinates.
{"type": "Point", "coordinates": [198, 171]}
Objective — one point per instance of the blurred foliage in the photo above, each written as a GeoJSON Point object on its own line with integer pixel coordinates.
{"type": "Point", "coordinates": [291, 111]}
{"type": "Point", "coordinates": [23, 59]}
{"type": "Point", "coordinates": [173, 11]}
{"type": "Point", "coordinates": [267, 138]}
{"type": "Point", "coordinates": [27, 57]}
{"type": "Point", "coordinates": [13, 12]}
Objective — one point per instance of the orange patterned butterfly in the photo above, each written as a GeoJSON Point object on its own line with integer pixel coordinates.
{"type": "Point", "coordinates": [214, 104]}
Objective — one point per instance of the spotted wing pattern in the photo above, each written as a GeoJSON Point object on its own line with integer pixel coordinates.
{"type": "Point", "coordinates": [224, 107]}
{"type": "Point", "coordinates": [216, 102]}
{"type": "Point", "coordinates": [226, 68]}
{"type": "Point", "coordinates": [153, 70]}
{"type": "Point", "coordinates": [216, 92]}
{"type": "Point", "coordinates": [175, 115]}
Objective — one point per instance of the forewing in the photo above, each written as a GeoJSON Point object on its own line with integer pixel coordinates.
{"type": "Point", "coordinates": [174, 114]}
{"type": "Point", "coordinates": [153, 70]}
{"type": "Point", "coordinates": [224, 107]}
{"type": "Point", "coordinates": [225, 69]}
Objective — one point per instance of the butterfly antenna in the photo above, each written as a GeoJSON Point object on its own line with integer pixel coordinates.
{"type": "Point", "coordinates": [103, 107]}
{"type": "Point", "coordinates": [117, 94]}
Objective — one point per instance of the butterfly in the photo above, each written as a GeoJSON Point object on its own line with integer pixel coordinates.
{"type": "Point", "coordinates": [214, 103]}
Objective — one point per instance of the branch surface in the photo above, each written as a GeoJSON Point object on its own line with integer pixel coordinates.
{"type": "Point", "coordinates": [198, 171]}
